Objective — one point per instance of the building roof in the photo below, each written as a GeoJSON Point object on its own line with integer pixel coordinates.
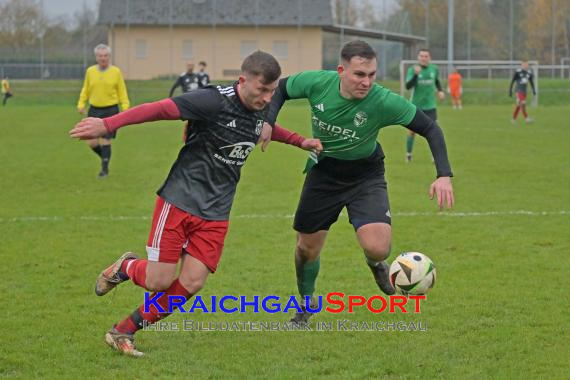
{"type": "Point", "coordinates": [379, 34]}
{"type": "Point", "coordinates": [217, 12]}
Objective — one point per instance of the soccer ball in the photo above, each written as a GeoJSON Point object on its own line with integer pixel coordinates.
{"type": "Point", "coordinates": [412, 273]}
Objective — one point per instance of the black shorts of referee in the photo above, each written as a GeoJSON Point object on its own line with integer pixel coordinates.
{"type": "Point", "coordinates": [102, 112]}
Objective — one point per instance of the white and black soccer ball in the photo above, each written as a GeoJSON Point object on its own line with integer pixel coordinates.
{"type": "Point", "coordinates": [412, 273]}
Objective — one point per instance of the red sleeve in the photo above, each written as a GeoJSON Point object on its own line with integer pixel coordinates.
{"type": "Point", "coordinates": [162, 110]}
{"type": "Point", "coordinates": [286, 136]}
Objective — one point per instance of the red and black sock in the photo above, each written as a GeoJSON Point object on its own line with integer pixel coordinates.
{"type": "Point", "coordinates": [136, 271]}
{"type": "Point", "coordinates": [516, 112]}
{"type": "Point", "coordinates": [135, 321]}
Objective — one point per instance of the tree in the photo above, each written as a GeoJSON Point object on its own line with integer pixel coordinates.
{"type": "Point", "coordinates": [488, 32]}
{"type": "Point", "coordinates": [345, 12]}
{"type": "Point", "coordinates": [538, 23]}
{"type": "Point", "coordinates": [23, 28]}
{"type": "Point", "coordinates": [21, 24]}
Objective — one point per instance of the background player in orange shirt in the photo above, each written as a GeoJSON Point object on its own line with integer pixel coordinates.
{"type": "Point", "coordinates": [455, 88]}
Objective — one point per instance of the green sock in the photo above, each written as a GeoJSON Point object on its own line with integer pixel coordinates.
{"type": "Point", "coordinates": [409, 144]}
{"type": "Point", "coordinates": [307, 276]}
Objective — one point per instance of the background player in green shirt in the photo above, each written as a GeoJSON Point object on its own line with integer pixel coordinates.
{"type": "Point", "coordinates": [423, 80]}
{"type": "Point", "coordinates": [347, 110]}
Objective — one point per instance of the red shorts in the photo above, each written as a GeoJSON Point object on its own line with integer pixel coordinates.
{"type": "Point", "coordinates": [521, 97]}
{"type": "Point", "coordinates": [455, 93]}
{"type": "Point", "coordinates": [175, 231]}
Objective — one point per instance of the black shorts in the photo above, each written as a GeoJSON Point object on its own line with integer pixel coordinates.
{"type": "Point", "coordinates": [333, 184]}
{"type": "Point", "coordinates": [432, 114]}
{"type": "Point", "coordinates": [102, 112]}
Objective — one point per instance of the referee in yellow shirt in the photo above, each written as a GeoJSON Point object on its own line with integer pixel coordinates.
{"type": "Point", "coordinates": [104, 88]}
{"type": "Point", "coordinates": [6, 91]}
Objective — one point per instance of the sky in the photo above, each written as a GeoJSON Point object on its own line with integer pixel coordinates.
{"type": "Point", "coordinates": [55, 8]}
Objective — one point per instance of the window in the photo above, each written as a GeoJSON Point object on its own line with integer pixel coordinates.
{"type": "Point", "coordinates": [187, 49]}
{"type": "Point", "coordinates": [280, 49]}
{"type": "Point", "coordinates": [247, 47]}
{"type": "Point", "coordinates": [140, 49]}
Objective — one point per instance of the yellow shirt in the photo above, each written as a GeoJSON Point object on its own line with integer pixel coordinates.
{"type": "Point", "coordinates": [104, 88]}
{"type": "Point", "coordinates": [5, 86]}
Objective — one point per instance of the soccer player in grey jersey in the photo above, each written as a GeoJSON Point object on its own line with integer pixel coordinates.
{"type": "Point", "coordinates": [522, 78]}
{"type": "Point", "coordinates": [188, 81]}
{"type": "Point", "coordinates": [203, 77]}
{"type": "Point", "coordinates": [190, 220]}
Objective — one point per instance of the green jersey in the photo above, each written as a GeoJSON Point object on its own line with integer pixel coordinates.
{"type": "Point", "coordinates": [347, 128]}
{"type": "Point", "coordinates": [423, 93]}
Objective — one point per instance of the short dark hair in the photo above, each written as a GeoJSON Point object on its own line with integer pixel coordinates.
{"type": "Point", "coordinates": [202, 63]}
{"type": "Point", "coordinates": [424, 49]}
{"type": "Point", "coordinates": [357, 48]}
{"type": "Point", "coordinates": [262, 63]}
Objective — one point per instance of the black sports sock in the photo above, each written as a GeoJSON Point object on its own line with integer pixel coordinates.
{"type": "Point", "coordinates": [105, 157]}
{"type": "Point", "coordinates": [97, 150]}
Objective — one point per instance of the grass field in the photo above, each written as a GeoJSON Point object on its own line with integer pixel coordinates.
{"type": "Point", "coordinates": [499, 309]}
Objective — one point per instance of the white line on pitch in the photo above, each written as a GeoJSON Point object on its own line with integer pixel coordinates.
{"type": "Point", "coordinates": [287, 216]}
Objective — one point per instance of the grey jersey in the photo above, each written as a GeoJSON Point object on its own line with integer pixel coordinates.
{"type": "Point", "coordinates": [204, 177]}
{"type": "Point", "coordinates": [521, 79]}
{"type": "Point", "coordinates": [203, 79]}
{"type": "Point", "coordinates": [188, 82]}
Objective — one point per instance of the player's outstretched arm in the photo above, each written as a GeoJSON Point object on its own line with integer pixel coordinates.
{"type": "Point", "coordinates": [174, 87]}
{"type": "Point", "coordinates": [286, 136]}
{"type": "Point", "coordinates": [88, 128]}
{"type": "Point", "coordinates": [92, 127]}
{"type": "Point", "coordinates": [441, 187]}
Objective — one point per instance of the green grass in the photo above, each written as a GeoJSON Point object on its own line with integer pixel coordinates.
{"type": "Point", "coordinates": [499, 309]}
{"type": "Point", "coordinates": [476, 91]}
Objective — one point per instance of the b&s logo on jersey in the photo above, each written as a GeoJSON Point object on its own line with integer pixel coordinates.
{"type": "Point", "coordinates": [360, 119]}
{"type": "Point", "coordinates": [236, 153]}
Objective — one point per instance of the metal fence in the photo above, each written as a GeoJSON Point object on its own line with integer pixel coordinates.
{"type": "Point", "coordinates": [483, 29]}
{"type": "Point", "coordinates": [42, 71]}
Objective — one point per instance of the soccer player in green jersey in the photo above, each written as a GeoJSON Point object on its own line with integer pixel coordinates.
{"type": "Point", "coordinates": [348, 108]}
{"type": "Point", "coordinates": [423, 80]}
